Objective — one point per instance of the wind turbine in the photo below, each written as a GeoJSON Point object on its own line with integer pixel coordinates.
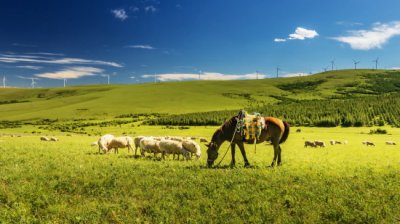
{"type": "Point", "coordinates": [65, 82]}
{"type": "Point", "coordinates": [376, 63]}
{"type": "Point", "coordinates": [33, 82]}
{"type": "Point", "coordinates": [4, 81]}
{"type": "Point", "coordinates": [199, 75]}
{"type": "Point", "coordinates": [108, 79]}
{"type": "Point", "coordinates": [277, 71]}
{"type": "Point", "coordinates": [325, 69]}
{"type": "Point", "coordinates": [155, 78]}
{"type": "Point", "coordinates": [332, 63]}
{"type": "Point", "coordinates": [355, 63]}
{"type": "Point", "coordinates": [257, 75]}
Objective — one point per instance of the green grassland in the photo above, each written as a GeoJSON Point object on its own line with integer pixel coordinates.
{"type": "Point", "coordinates": [107, 101]}
{"type": "Point", "coordinates": [68, 182]}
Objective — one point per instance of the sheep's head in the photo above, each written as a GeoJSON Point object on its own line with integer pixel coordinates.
{"type": "Point", "coordinates": [212, 153]}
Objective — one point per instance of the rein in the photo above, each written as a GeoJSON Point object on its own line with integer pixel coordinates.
{"type": "Point", "coordinates": [233, 136]}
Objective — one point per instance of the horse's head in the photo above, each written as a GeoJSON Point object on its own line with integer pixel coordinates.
{"type": "Point", "coordinates": [212, 153]}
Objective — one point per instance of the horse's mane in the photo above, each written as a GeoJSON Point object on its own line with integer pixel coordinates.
{"type": "Point", "coordinates": [224, 127]}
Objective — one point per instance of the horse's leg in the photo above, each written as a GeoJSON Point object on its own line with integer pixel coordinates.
{"type": "Point", "coordinates": [279, 156]}
{"type": "Point", "coordinates": [241, 147]}
{"type": "Point", "coordinates": [276, 151]}
{"type": "Point", "coordinates": [233, 162]}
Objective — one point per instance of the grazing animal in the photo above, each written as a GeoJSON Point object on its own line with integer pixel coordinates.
{"type": "Point", "coordinates": [338, 142]}
{"type": "Point", "coordinates": [137, 142]}
{"type": "Point", "coordinates": [309, 143]}
{"type": "Point", "coordinates": [275, 130]}
{"type": "Point", "coordinates": [54, 139]}
{"type": "Point", "coordinates": [345, 142]}
{"type": "Point", "coordinates": [321, 144]}
{"type": "Point", "coordinates": [367, 143]}
{"type": "Point", "coordinates": [175, 138]}
{"type": "Point", "coordinates": [332, 142]}
{"type": "Point", "coordinates": [390, 143]}
{"type": "Point", "coordinates": [192, 147]}
{"type": "Point", "coordinates": [120, 142]}
{"type": "Point", "coordinates": [150, 145]}
{"type": "Point", "coordinates": [175, 148]}
{"type": "Point", "coordinates": [202, 139]}
{"type": "Point", "coordinates": [44, 138]}
{"type": "Point", "coordinates": [104, 141]}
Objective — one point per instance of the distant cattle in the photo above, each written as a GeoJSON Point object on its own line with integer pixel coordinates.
{"type": "Point", "coordinates": [202, 139]}
{"type": "Point", "coordinates": [309, 143]}
{"type": "Point", "coordinates": [321, 144]}
{"type": "Point", "coordinates": [367, 143]}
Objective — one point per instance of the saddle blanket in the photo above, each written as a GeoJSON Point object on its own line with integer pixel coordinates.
{"type": "Point", "coordinates": [253, 125]}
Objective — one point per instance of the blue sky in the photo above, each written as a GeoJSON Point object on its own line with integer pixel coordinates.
{"type": "Point", "coordinates": [131, 41]}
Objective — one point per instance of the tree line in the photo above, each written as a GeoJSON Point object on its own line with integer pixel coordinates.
{"type": "Point", "coordinates": [352, 112]}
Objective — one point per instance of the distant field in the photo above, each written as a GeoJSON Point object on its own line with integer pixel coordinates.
{"type": "Point", "coordinates": [107, 101]}
{"type": "Point", "coordinates": [67, 181]}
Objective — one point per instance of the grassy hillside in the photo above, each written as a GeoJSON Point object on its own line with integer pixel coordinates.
{"type": "Point", "coordinates": [106, 101]}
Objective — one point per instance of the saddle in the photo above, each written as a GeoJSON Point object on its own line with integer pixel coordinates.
{"type": "Point", "coordinates": [251, 125]}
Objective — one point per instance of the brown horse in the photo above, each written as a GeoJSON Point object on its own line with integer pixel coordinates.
{"type": "Point", "coordinates": [275, 130]}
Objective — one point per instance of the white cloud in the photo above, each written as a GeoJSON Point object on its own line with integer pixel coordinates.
{"type": "Point", "coordinates": [46, 53]}
{"type": "Point", "coordinates": [279, 40]}
{"type": "Point", "coordinates": [147, 47]}
{"type": "Point", "coordinates": [71, 73]}
{"type": "Point", "coordinates": [29, 67]}
{"type": "Point", "coordinates": [373, 38]}
{"type": "Point", "coordinates": [47, 60]}
{"type": "Point", "coordinates": [295, 74]}
{"type": "Point", "coordinates": [204, 76]}
{"type": "Point", "coordinates": [347, 23]}
{"type": "Point", "coordinates": [301, 33]}
{"type": "Point", "coordinates": [120, 14]}
{"type": "Point", "coordinates": [134, 9]}
{"type": "Point", "coordinates": [150, 8]}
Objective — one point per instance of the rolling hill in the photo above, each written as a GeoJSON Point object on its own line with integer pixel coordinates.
{"type": "Point", "coordinates": [108, 101]}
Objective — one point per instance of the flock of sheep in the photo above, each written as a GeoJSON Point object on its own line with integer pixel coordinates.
{"type": "Point", "coordinates": [321, 144]}
{"type": "Point", "coordinates": [167, 145]}
{"type": "Point", "coordinates": [46, 139]}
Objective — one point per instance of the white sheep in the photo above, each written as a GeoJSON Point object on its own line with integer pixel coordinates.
{"type": "Point", "coordinates": [175, 138]}
{"type": "Point", "coordinates": [120, 142]}
{"type": "Point", "coordinates": [137, 142]}
{"type": "Point", "coordinates": [390, 143]}
{"type": "Point", "coordinates": [175, 148]}
{"type": "Point", "coordinates": [54, 139]}
{"type": "Point", "coordinates": [150, 145]}
{"type": "Point", "coordinates": [104, 141]}
{"type": "Point", "coordinates": [44, 138]}
{"type": "Point", "coordinates": [192, 147]}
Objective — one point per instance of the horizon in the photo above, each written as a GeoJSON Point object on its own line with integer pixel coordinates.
{"type": "Point", "coordinates": [131, 42]}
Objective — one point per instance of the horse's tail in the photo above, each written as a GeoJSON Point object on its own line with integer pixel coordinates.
{"type": "Point", "coordinates": [285, 133]}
